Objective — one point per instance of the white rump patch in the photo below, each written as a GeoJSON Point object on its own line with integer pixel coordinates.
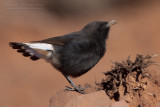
{"type": "Point", "coordinates": [42, 46]}
{"type": "Point", "coordinates": [31, 49]}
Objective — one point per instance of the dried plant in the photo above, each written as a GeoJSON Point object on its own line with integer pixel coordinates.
{"type": "Point", "coordinates": [127, 76]}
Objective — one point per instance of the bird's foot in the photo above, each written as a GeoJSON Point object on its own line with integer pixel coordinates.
{"type": "Point", "coordinates": [77, 88]}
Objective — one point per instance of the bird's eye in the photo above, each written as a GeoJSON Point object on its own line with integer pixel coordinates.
{"type": "Point", "coordinates": [103, 26]}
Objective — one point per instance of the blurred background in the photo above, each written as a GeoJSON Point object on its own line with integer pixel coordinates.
{"type": "Point", "coordinates": [25, 83]}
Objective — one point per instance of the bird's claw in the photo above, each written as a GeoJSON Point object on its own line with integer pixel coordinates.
{"type": "Point", "coordinates": [78, 89]}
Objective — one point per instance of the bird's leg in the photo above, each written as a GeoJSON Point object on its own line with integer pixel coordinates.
{"type": "Point", "coordinates": [76, 88]}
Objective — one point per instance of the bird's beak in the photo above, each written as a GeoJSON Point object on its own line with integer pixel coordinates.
{"type": "Point", "coordinates": [112, 22]}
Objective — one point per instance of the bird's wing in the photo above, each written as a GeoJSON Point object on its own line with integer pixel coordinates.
{"type": "Point", "coordinates": [60, 40]}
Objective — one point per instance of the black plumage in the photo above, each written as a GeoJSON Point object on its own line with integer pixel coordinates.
{"type": "Point", "coordinates": [75, 53]}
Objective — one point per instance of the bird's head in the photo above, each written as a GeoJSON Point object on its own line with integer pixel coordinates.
{"type": "Point", "coordinates": [98, 29]}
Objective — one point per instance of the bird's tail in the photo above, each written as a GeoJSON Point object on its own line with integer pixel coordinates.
{"type": "Point", "coordinates": [33, 50]}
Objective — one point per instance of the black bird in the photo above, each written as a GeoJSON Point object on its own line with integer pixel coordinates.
{"type": "Point", "coordinates": [72, 54]}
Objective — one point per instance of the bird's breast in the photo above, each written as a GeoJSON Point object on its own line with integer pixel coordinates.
{"type": "Point", "coordinates": [78, 57]}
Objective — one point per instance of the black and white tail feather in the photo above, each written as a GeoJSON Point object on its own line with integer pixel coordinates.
{"type": "Point", "coordinates": [34, 50]}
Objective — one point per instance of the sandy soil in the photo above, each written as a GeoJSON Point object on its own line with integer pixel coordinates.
{"type": "Point", "coordinates": [24, 83]}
